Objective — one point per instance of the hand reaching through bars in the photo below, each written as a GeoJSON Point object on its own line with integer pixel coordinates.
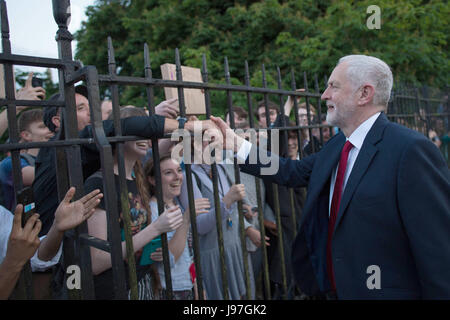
{"type": "Point", "coordinates": [271, 227]}
{"type": "Point", "coordinates": [169, 220]}
{"type": "Point", "coordinates": [168, 108]}
{"type": "Point", "coordinates": [231, 141]}
{"type": "Point", "coordinates": [236, 193]}
{"type": "Point", "coordinates": [202, 205]}
{"type": "Point", "coordinates": [68, 215]}
{"type": "Point", "coordinates": [290, 103]}
{"type": "Point", "coordinates": [255, 236]}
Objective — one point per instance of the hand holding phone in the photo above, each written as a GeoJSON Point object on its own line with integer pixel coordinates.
{"type": "Point", "coordinates": [25, 198]}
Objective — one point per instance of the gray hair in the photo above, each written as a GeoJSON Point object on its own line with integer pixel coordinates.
{"type": "Point", "coordinates": [363, 69]}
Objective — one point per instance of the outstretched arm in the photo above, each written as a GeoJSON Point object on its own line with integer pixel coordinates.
{"type": "Point", "coordinates": [263, 164]}
{"type": "Point", "coordinates": [289, 104]}
{"type": "Point", "coordinates": [68, 215]}
{"type": "Point", "coordinates": [28, 92]}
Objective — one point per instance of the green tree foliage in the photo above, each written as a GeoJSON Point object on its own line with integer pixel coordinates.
{"type": "Point", "coordinates": [303, 35]}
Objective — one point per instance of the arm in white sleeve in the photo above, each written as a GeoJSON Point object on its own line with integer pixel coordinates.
{"type": "Point", "coordinates": [39, 265]}
{"type": "Point", "coordinates": [244, 151]}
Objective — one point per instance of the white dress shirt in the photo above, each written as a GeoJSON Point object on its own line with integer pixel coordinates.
{"type": "Point", "coordinates": [357, 140]}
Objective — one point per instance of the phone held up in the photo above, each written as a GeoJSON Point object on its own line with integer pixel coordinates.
{"type": "Point", "coordinates": [25, 197]}
{"type": "Point", "coordinates": [37, 82]}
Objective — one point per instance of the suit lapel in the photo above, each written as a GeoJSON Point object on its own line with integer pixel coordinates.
{"type": "Point", "coordinates": [329, 157]}
{"type": "Point", "coordinates": [328, 162]}
{"type": "Point", "coordinates": [365, 157]}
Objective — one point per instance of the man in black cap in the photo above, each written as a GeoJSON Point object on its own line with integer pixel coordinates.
{"type": "Point", "coordinates": [44, 185]}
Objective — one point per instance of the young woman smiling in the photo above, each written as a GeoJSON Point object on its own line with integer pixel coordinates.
{"type": "Point", "coordinates": [180, 258]}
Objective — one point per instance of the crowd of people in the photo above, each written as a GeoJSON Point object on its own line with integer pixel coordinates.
{"type": "Point", "coordinates": [40, 238]}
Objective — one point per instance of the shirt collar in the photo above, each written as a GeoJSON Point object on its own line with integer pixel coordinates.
{"type": "Point", "coordinates": [358, 136]}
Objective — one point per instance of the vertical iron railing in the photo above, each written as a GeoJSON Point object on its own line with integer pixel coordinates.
{"type": "Point", "coordinates": [266, 278]}
{"type": "Point", "coordinates": [125, 205]}
{"type": "Point", "coordinates": [159, 194]}
{"type": "Point", "coordinates": [237, 179]}
{"type": "Point", "coordinates": [23, 290]}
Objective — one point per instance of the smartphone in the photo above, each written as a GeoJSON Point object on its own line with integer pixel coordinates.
{"type": "Point", "coordinates": [148, 250]}
{"type": "Point", "coordinates": [37, 82]}
{"type": "Point", "coordinates": [25, 197]}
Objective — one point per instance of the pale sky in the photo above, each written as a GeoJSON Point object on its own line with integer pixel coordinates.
{"type": "Point", "coordinates": [32, 28]}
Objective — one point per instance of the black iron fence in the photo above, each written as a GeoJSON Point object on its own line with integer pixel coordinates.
{"type": "Point", "coordinates": [420, 110]}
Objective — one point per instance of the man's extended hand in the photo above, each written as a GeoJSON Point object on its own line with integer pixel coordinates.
{"type": "Point", "coordinates": [199, 125]}
{"type": "Point", "coordinates": [231, 141]}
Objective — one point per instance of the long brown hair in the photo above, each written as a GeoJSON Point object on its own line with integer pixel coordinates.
{"type": "Point", "coordinates": [149, 170]}
{"type": "Point", "coordinates": [142, 187]}
{"type": "Point", "coordinates": [127, 112]}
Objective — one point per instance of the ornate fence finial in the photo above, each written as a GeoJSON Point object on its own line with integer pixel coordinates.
{"type": "Point", "coordinates": [62, 15]}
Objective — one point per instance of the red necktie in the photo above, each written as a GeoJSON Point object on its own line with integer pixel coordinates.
{"type": "Point", "coordinates": [335, 202]}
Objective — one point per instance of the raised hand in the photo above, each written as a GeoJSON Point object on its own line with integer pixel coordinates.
{"type": "Point", "coordinates": [68, 215]}
{"type": "Point", "coordinates": [290, 103]}
{"type": "Point", "coordinates": [169, 220]}
{"type": "Point", "coordinates": [28, 92]}
{"type": "Point", "coordinates": [195, 125]}
{"type": "Point", "coordinates": [168, 108]}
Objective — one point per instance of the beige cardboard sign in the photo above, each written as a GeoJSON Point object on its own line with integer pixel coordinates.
{"type": "Point", "coordinates": [194, 99]}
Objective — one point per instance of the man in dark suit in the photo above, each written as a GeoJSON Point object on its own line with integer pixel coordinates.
{"type": "Point", "coordinates": [376, 222]}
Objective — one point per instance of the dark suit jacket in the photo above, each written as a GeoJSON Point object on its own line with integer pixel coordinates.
{"type": "Point", "coordinates": [394, 214]}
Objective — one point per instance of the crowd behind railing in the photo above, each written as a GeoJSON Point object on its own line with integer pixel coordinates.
{"type": "Point", "coordinates": [40, 238]}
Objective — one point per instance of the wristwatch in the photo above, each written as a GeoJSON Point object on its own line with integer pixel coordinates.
{"type": "Point", "coordinates": [181, 122]}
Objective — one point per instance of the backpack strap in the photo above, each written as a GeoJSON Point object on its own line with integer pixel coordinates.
{"type": "Point", "coordinates": [28, 158]}
{"type": "Point", "coordinates": [197, 179]}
